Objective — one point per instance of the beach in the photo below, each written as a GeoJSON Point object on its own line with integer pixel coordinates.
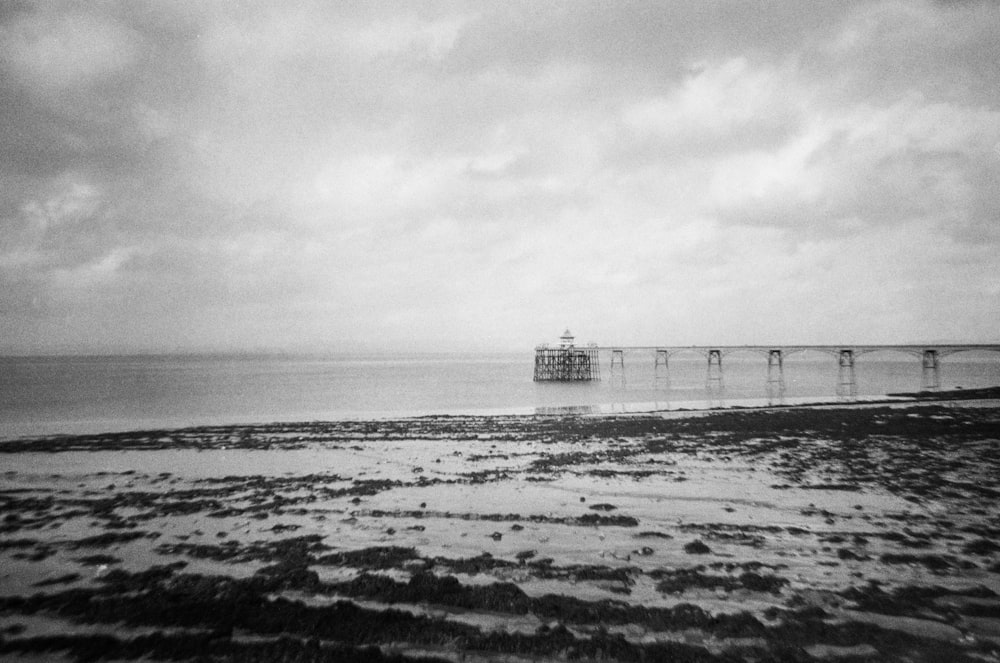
{"type": "Point", "coordinates": [840, 533]}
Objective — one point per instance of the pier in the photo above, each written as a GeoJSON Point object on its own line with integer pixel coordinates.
{"type": "Point", "coordinates": [566, 362]}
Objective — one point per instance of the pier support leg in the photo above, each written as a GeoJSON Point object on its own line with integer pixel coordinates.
{"type": "Point", "coordinates": [713, 378]}
{"type": "Point", "coordinates": [566, 364]}
{"type": "Point", "coordinates": [617, 368]}
{"type": "Point", "coordinates": [661, 372]}
{"type": "Point", "coordinates": [775, 377]}
{"type": "Point", "coordinates": [847, 386]}
{"type": "Point", "coordinates": [930, 379]}
{"type": "Point", "coordinates": [714, 386]}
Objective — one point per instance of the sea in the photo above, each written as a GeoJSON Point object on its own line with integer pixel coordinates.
{"type": "Point", "coordinates": [54, 395]}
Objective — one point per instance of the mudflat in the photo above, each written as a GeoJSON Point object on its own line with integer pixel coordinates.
{"type": "Point", "coordinates": [843, 534]}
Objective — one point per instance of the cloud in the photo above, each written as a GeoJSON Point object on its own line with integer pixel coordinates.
{"type": "Point", "coordinates": [315, 175]}
{"type": "Point", "coordinates": [718, 101]}
{"type": "Point", "coordinates": [51, 51]}
{"type": "Point", "coordinates": [865, 166]}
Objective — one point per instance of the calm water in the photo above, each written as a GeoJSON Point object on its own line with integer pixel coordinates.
{"type": "Point", "coordinates": [46, 395]}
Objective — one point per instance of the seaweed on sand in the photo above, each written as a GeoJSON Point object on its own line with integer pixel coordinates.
{"type": "Point", "coordinates": [679, 580]}
{"type": "Point", "coordinates": [378, 557]}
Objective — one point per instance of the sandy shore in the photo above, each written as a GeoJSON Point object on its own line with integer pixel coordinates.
{"type": "Point", "coordinates": [803, 534]}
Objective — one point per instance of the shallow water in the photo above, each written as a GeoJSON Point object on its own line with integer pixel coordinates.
{"type": "Point", "coordinates": [49, 395]}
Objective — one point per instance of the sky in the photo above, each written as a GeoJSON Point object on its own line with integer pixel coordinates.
{"type": "Point", "coordinates": [198, 176]}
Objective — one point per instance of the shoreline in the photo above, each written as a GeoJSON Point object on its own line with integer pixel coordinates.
{"type": "Point", "coordinates": [964, 397]}
{"type": "Point", "coordinates": [803, 533]}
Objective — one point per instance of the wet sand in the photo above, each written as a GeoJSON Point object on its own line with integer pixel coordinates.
{"type": "Point", "coordinates": [840, 534]}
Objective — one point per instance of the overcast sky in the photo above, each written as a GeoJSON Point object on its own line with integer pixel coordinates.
{"type": "Point", "coordinates": [350, 176]}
